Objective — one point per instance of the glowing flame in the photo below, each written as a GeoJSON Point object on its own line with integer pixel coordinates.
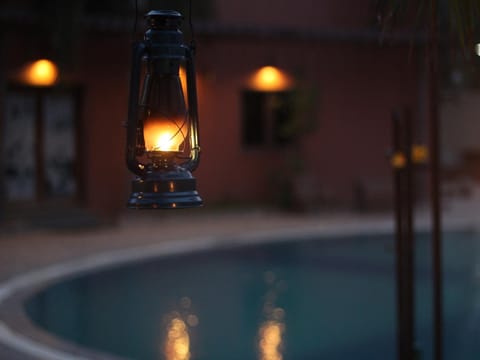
{"type": "Point", "coordinates": [163, 134]}
{"type": "Point", "coordinates": [40, 73]}
{"type": "Point", "coordinates": [177, 344]}
{"type": "Point", "coordinates": [270, 340]}
{"type": "Point", "coordinates": [270, 78]}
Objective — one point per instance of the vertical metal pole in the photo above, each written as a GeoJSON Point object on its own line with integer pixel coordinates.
{"type": "Point", "coordinates": [432, 57]}
{"type": "Point", "coordinates": [39, 146]}
{"type": "Point", "coordinates": [403, 184]}
{"type": "Point", "coordinates": [397, 179]}
{"type": "Point", "coordinates": [409, 246]}
{"type": "Point", "coordinates": [3, 85]}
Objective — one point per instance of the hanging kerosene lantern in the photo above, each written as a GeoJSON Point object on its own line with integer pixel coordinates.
{"type": "Point", "coordinates": [162, 132]}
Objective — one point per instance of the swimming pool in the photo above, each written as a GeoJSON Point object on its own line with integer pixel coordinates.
{"type": "Point", "coordinates": [320, 299]}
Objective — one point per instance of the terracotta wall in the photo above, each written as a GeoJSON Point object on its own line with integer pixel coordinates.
{"type": "Point", "coordinates": [356, 85]}
{"type": "Point", "coordinates": [300, 14]}
{"type": "Point", "coordinates": [103, 72]}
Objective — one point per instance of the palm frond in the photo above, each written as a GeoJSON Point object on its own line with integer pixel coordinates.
{"type": "Point", "coordinates": [463, 16]}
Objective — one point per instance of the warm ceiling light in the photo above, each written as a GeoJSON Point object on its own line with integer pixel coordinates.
{"type": "Point", "coordinates": [42, 72]}
{"type": "Point", "coordinates": [270, 78]}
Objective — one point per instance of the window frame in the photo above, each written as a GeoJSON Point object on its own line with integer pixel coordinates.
{"type": "Point", "coordinates": [39, 95]}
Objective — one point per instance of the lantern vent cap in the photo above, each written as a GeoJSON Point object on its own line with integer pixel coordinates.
{"type": "Point", "coordinates": [163, 19]}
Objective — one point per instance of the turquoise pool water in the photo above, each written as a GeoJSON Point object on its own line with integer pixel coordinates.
{"type": "Point", "coordinates": [322, 299]}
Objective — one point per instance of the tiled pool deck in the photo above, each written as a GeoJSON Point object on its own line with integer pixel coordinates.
{"type": "Point", "coordinates": [28, 258]}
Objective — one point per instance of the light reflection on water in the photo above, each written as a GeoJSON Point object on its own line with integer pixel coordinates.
{"type": "Point", "coordinates": [177, 343]}
{"type": "Point", "coordinates": [177, 338]}
{"type": "Point", "coordinates": [271, 331]}
{"type": "Point", "coordinates": [270, 342]}
{"type": "Point", "coordinates": [270, 335]}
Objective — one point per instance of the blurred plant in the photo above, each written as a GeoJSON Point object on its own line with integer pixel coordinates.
{"type": "Point", "coordinates": [448, 27]}
{"type": "Point", "coordinates": [301, 121]}
{"type": "Point", "coordinates": [459, 17]}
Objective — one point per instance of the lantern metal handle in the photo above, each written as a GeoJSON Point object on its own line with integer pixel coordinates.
{"type": "Point", "coordinates": [134, 166]}
{"type": "Point", "coordinates": [192, 164]}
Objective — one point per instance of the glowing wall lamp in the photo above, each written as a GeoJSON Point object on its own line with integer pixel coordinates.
{"type": "Point", "coordinates": [270, 78]}
{"type": "Point", "coordinates": [162, 132]}
{"type": "Point", "coordinates": [42, 72]}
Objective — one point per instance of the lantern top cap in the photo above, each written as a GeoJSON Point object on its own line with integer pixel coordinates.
{"type": "Point", "coordinates": [163, 19]}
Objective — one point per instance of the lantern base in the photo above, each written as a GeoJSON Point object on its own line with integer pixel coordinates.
{"type": "Point", "coordinates": [172, 189]}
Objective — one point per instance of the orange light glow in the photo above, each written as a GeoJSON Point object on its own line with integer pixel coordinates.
{"type": "Point", "coordinates": [419, 154]}
{"type": "Point", "coordinates": [182, 73]}
{"type": "Point", "coordinates": [40, 73]}
{"type": "Point", "coordinates": [269, 78]}
{"type": "Point", "coordinates": [177, 344]}
{"type": "Point", "coordinates": [398, 160]}
{"type": "Point", "coordinates": [270, 340]}
{"type": "Point", "coordinates": [162, 134]}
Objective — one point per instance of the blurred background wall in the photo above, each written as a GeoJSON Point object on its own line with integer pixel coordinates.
{"type": "Point", "coordinates": [319, 143]}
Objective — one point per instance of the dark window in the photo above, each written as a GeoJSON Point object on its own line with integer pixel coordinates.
{"type": "Point", "coordinates": [39, 145]}
{"type": "Point", "coordinates": [253, 118]}
{"type": "Point", "coordinates": [267, 118]}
